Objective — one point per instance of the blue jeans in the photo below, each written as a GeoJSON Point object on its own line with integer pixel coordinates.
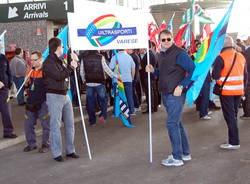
{"type": "Point", "coordinates": [30, 122]}
{"type": "Point", "coordinates": [60, 108]}
{"type": "Point", "coordinates": [91, 101]}
{"type": "Point", "coordinates": [129, 95]}
{"type": "Point", "coordinates": [179, 141]}
{"type": "Point", "coordinates": [18, 82]}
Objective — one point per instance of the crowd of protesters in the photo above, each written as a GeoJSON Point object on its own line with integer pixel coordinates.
{"type": "Point", "coordinates": [171, 69]}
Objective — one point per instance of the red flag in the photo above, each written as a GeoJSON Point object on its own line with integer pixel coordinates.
{"type": "Point", "coordinates": [192, 44]}
{"type": "Point", "coordinates": [163, 26]}
{"type": "Point", "coordinates": [177, 39]}
{"type": "Point", "coordinates": [206, 31]}
{"type": "Point", "coordinates": [151, 28]}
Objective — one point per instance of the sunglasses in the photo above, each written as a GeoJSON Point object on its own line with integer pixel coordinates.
{"type": "Point", "coordinates": [166, 39]}
{"type": "Point", "coordinates": [35, 59]}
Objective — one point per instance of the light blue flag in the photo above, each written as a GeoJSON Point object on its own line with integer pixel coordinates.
{"type": "Point", "coordinates": [2, 41]}
{"type": "Point", "coordinates": [63, 35]}
{"type": "Point", "coordinates": [187, 36]}
{"type": "Point", "coordinates": [202, 68]}
{"type": "Point", "coordinates": [170, 24]}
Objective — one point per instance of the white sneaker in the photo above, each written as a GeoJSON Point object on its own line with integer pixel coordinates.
{"type": "Point", "coordinates": [229, 146]}
{"type": "Point", "coordinates": [206, 117]}
{"type": "Point", "coordinates": [209, 113]}
{"type": "Point", "coordinates": [186, 157]}
{"type": "Point", "coordinates": [170, 161]}
{"type": "Point", "coordinates": [138, 109]}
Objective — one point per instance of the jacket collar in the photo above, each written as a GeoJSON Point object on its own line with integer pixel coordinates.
{"type": "Point", "coordinates": [227, 48]}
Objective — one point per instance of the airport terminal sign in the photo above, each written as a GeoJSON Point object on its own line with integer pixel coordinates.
{"type": "Point", "coordinates": [56, 9]}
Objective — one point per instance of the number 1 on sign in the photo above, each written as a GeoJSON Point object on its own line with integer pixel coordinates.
{"type": "Point", "coordinates": [66, 5]}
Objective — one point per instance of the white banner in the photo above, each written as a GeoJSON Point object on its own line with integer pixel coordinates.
{"type": "Point", "coordinates": [102, 27]}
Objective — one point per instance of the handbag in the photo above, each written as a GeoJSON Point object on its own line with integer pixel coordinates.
{"type": "Point", "coordinates": [218, 88]}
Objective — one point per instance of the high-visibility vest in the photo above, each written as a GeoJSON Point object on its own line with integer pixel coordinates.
{"type": "Point", "coordinates": [234, 84]}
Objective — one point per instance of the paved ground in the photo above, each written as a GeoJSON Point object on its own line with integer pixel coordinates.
{"type": "Point", "coordinates": [121, 155]}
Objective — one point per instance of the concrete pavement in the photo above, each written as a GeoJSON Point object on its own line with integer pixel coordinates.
{"type": "Point", "coordinates": [121, 155]}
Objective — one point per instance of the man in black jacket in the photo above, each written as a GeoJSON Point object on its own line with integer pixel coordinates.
{"type": "Point", "coordinates": [5, 85]}
{"type": "Point", "coordinates": [246, 102]}
{"type": "Point", "coordinates": [56, 75]}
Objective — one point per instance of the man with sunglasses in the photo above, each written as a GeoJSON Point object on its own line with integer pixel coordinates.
{"type": "Point", "coordinates": [174, 65]}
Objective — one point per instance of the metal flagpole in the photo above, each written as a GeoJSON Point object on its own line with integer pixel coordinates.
{"type": "Point", "coordinates": [83, 122]}
{"type": "Point", "coordinates": [149, 111]}
{"type": "Point", "coordinates": [24, 81]}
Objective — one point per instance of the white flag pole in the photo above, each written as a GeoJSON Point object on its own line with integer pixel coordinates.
{"type": "Point", "coordinates": [83, 122]}
{"type": "Point", "coordinates": [24, 82]}
{"type": "Point", "coordinates": [80, 105]}
{"type": "Point", "coordinates": [149, 110]}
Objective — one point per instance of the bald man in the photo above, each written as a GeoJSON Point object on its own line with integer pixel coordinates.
{"type": "Point", "coordinates": [232, 90]}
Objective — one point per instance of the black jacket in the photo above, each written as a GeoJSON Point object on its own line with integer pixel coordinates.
{"type": "Point", "coordinates": [5, 72]}
{"type": "Point", "coordinates": [56, 75]}
{"type": "Point", "coordinates": [170, 74]}
{"type": "Point", "coordinates": [92, 61]}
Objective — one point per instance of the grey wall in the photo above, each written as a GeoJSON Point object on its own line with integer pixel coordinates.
{"type": "Point", "coordinates": [23, 34]}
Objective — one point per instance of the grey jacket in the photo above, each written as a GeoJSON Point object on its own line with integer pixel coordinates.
{"type": "Point", "coordinates": [18, 66]}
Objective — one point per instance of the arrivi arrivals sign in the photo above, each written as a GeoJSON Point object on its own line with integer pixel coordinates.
{"type": "Point", "coordinates": [28, 11]}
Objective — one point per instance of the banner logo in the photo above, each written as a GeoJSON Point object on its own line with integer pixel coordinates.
{"type": "Point", "coordinates": [107, 35]}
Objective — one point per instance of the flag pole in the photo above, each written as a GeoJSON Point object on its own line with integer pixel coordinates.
{"type": "Point", "coordinates": [149, 111]}
{"type": "Point", "coordinates": [83, 122]}
{"type": "Point", "coordinates": [24, 82]}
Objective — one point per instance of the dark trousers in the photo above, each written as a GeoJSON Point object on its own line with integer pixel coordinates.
{"type": "Point", "coordinates": [138, 91]}
{"type": "Point", "coordinates": [137, 102]}
{"type": "Point", "coordinates": [109, 89]}
{"type": "Point", "coordinates": [202, 101]}
{"type": "Point", "coordinates": [5, 112]}
{"type": "Point", "coordinates": [154, 95]}
{"type": "Point", "coordinates": [73, 90]}
{"type": "Point", "coordinates": [246, 102]}
{"type": "Point", "coordinates": [230, 105]}
{"type": "Point", "coordinates": [31, 121]}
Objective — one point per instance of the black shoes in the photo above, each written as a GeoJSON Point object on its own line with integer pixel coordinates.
{"type": "Point", "coordinates": [22, 104]}
{"type": "Point", "coordinates": [73, 155]}
{"type": "Point", "coordinates": [29, 148]}
{"type": "Point", "coordinates": [43, 149]}
{"type": "Point", "coordinates": [59, 159]}
{"type": "Point", "coordinates": [10, 136]}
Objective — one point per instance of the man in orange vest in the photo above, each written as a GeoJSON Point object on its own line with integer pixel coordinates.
{"type": "Point", "coordinates": [232, 90]}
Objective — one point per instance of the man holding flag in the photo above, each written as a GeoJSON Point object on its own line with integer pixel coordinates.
{"type": "Point", "coordinates": [174, 64]}
{"type": "Point", "coordinates": [56, 81]}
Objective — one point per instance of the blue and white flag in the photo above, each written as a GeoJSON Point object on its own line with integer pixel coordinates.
{"type": "Point", "coordinates": [202, 68]}
{"type": "Point", "coordinates": [170, 24]}
{"type": "Point", "coordinates": [2, 42]}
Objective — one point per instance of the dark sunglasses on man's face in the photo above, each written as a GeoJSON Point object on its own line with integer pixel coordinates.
{"type": "Point", "coordinates": [166, 39]}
